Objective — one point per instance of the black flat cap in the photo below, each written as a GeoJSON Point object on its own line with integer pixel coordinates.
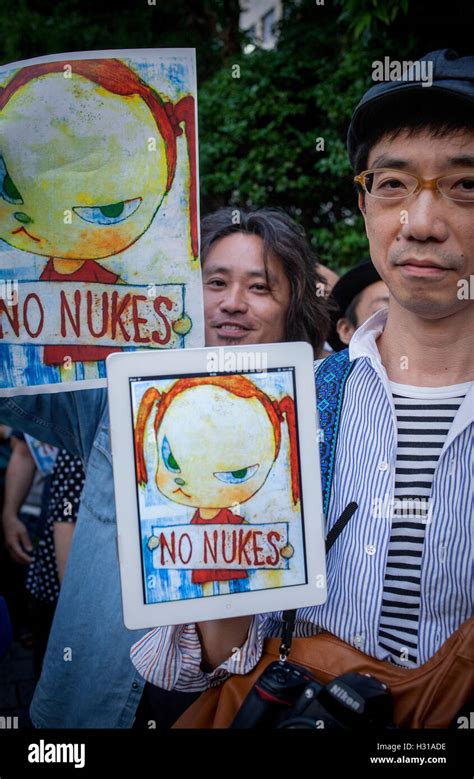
{"type": "Point", "coordinates": [450, 75]}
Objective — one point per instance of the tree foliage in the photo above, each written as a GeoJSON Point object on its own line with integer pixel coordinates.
{"type": "Point", "coordinates": [273, 123]}
{"type": "Point", "coordinates": [31, 28]}
{"type": "Point", "coordinates": [262, 132]}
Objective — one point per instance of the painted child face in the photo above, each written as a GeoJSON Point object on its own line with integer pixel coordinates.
{"type": "Point", "coordinates": [77, 179]}
{"type": "Point", "coordinates": [215, 450]}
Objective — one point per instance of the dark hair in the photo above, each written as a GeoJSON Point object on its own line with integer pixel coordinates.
{"type": "Point", "coordinates": [439, 114]}
{"type": "Point", "coordinates": [350, 312]}
{"type": "Point", "coordinates": [307, 317]}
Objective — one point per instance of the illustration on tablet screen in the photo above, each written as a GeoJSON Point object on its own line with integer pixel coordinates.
{"type": "Point", "coordinates": [218, 484]}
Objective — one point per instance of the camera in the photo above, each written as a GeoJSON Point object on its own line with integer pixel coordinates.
{"type": "Point", "coordinates": [287, 696]}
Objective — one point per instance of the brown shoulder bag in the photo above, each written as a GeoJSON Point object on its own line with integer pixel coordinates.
{"type": "Point", "coordinates": [429, 696]}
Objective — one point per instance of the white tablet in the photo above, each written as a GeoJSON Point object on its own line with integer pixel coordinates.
{"type": "Point", "coordinates": [217, 482]}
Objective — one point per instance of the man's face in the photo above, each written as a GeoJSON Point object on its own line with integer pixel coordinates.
{"type": "Point", "coordinates": [372, 299]}
{"type": "Point", "coordinates": [424, 244]}
{"type": "Point", "coordinates": [330, 278]}
{"type": "Point", "coordinates": [240, 307]}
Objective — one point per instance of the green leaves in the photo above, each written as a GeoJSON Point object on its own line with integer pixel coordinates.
{"type": "Point", "coordinates": [362, 16]}
{"type": "Point", "coordinates": [275, 136]}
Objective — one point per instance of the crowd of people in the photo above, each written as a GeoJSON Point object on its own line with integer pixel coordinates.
{"type": "Point", "coordinates": [41, 490]}
{"type": "Point", "coordinates": [400, 335]}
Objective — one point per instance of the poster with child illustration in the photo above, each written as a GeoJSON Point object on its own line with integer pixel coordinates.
{"type": "Point", "coordinates": [98, 213]}
{"type": "Point", "coordinates": [218, 484]}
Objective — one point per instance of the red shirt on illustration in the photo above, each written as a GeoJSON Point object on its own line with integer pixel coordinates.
{"type": "Point", "coordinates": [89, 271]}
{"type": "Point", "coordinates": [200, 576]}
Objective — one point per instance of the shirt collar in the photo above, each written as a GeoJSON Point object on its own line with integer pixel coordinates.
{"type": "Point", "coordinates": [364, 341]}
{"type": "Point", "coordinates": [364, 344]}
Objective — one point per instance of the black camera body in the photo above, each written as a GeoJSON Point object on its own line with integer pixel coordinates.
{"type": "Point", "coordinates": [287, 696]}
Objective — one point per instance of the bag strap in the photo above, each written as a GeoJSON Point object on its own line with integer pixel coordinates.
{"type": "Point", "coordinates": [331, 376]}
{"type": "Point", "coordinates": [289, 617]}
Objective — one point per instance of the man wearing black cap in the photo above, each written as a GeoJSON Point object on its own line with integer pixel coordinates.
{"type": "Point", "coordinates": [358, 294]}
{"type": "Point", "coordinates": [399, 579]}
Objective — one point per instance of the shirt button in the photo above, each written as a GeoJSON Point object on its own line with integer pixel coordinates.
{"type": "Point", "coordinates": [359, 640]}
{"type": "Point", "coordinates": [370, 549]}
{"type": "Point", "coordinates": [134, 685]}
{"type": "Point", "coordinates": [383, 466]}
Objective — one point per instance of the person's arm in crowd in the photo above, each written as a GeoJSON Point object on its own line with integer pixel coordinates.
{"type": "Point", "coordinates": [18, 480]}
{"type": "Point", "coordinates": [63, 532]}
{"type": "Point", "coordinates": [68, 420]}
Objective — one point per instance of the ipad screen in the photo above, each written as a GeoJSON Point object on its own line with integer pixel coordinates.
{"type": "Point", "coordinates": [218, 487]}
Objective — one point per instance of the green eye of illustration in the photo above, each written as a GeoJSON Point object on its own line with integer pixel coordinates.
{"type": "Point", "coordinates": [239, 474]}
{"type": "Point", "coordinates": [172, 462]}
{"type": "Point", "coordinates": [113, 210]}
{"type": "Point", "coordinates": [110, 214]}
{"type": "Point", "coordinates": [237, 477]}
{"type": "Point", "coordinates": [168, 457]}
{"type": "Point", "coordinates": [10, 189]}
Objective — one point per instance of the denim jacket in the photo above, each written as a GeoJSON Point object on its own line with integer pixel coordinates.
{"type": "Point", "coordinates": [88, 679]}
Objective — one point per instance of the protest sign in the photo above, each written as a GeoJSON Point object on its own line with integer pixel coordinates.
{"type": "Point", "coordinates": [216, 481]}
{"type": "Point", "coordinates": [98, 213]}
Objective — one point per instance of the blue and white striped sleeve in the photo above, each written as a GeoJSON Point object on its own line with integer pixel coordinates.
{"type": "Point", "coordinates": [170, 657]}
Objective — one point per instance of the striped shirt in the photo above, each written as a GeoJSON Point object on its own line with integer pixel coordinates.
{"type": "Point", "coordinates": [424, 416]}
{"type": "Point", "coordinates": [365, 472]}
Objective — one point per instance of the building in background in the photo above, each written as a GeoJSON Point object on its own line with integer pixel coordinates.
{"type": "Point", "coordinates": [259, 19]}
